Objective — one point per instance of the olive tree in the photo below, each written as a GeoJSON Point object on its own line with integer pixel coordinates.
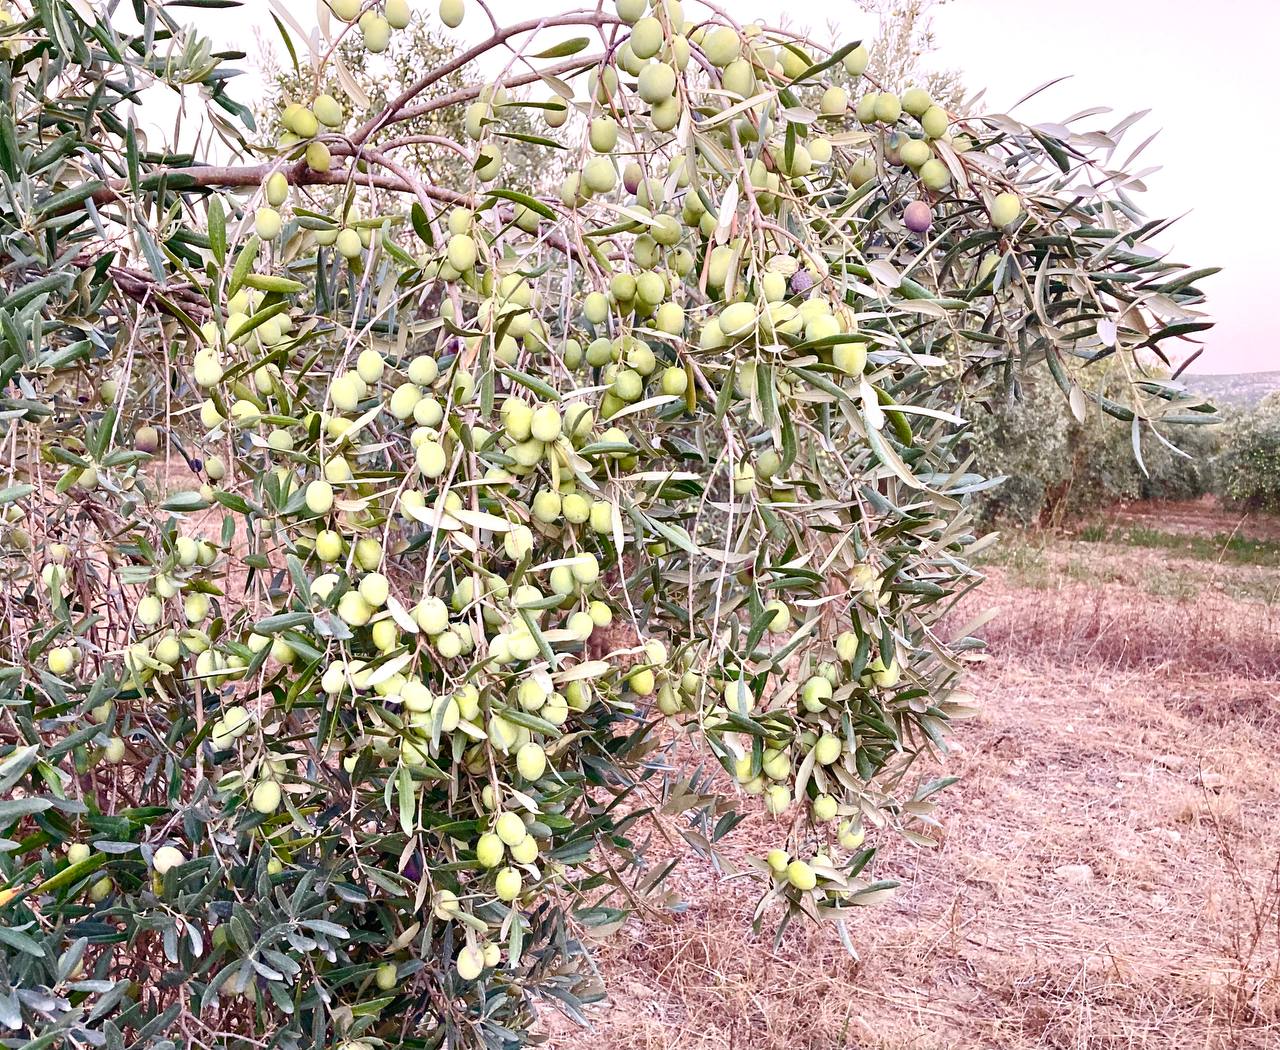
{"type": "Point", "coordinates": [1248, 465]}
{"type": "Point", "coordinates": [378, 549]}
{"type": "Point", "coordinates": [1055, 467]}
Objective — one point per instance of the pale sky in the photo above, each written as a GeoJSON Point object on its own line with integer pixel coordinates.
{"type": "Point", "coordinates": [1205, 70]}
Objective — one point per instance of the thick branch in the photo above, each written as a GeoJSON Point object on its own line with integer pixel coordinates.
{"type": "Point", "coordinates": [391, 114]}
{"type": "Point", "coordinates": [454, 98]}
{"type": "Point", "coordinates": [299, 174]}
{"type": "Point", "coordinates": [213, 176]}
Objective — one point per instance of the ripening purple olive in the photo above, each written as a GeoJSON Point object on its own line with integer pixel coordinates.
{"type": "Point", "coordinates": [801, 282]}
{"type": "Point", "coordinates": [632, 176]}
{"type": "Point", "coordinates": [918, 216]}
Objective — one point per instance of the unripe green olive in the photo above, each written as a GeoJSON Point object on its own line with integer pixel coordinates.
{"type": "Point", "coordinates": [777, 799]}
{"type": "Point", "coordinates": [914, 153]}
{"type": "Point", "coordinates": [641, 682]}
{"type": "Point", "coordinates": [599, 176]}
{"type": "Point", "coordinates": [300, 120]}
{"type": "Point", "coordinates": [935, 122]}
{"type": "Point", "coordinates": [888, 108]}
{"type": "Point", "coordinates": [739, 78]}
{"type": "Point", "coordinates": [669, 318]}
{"type": "Point", "coordinates": [546, 423]}
{"type": "Point", "coordinates": [531, 761]}
{"type": "Point", "coordinates": [452, 12]}
{"type": "Point", "coordinates": [431, 459]}
{"type": "Point", "coordinates": [834, 102]}
{"type": "Point", "coordinates": [1005, 209]}
{"type": "Point", "coordinates": [328, 111]}
{"type": "Point", "coordinates": [507, 884]}
{"type": "Point", "coordinates": [276, 189]}
{"type": "Point", "coordinates": [721, 46]}
{"type": "Point", "coordinates": [855, 62]}
{"type": "Point", "coordinates": [886, 677]}
{"type": "Point", "coordinates": [376, 32]}
{"type": "Point", "coordinates": [489, 850]}
{"type": "Point", "coordinates": [547, 506]}
{"type": "Point", "coordinates": [631, 10]}
{"type": "Point", "coordinates": [319, 497]}
{"type": "Point", "coordinates": [646, 38]}
{"type": "Point", "coordinates": [375, 589]}
{"type": "Point", "coordinates": [665, 114]}
{"type": "Point", "coordinates": [167, 857]}
{"type": "Point", "coordinates": [850, 358]}
{"type": "Point", "coordinates": [266, 223]}
{"type": "Point", "coordinates": [657, 83]}
{"type": "Point", "coordinates": [510, 828]}
{"type": "Point", "coordinates": [827, 749]}
{"type": "Point", "coordinates": [488, 162]}
{"type": "Point", "coordinates": [916, 101]}
{"type": "Point", "coordinates": [370, 365]}
{"type": "Point", "coordinates": [318, 157]}
{"type": "Point", "coordinates": [815, 693]}
{"type": "Point", "coordinates": [397, 13]}
{"type": "Point", "coordinates": [470, 962]}
{"type": "Point", "coordinates": [556, 113]}
{"type": "Point", "coordinates": [824, 808]}
{"type": "Point", "coordinates": [60, 660]}
{"type": "Point", "coordinates": [935, 174]}
{"type": "Point", "coordinates": [851, 835]}
{"type": "Point", "coordinates": [738, 319]}
{"type": "Point", "coordinates": [266, 797]}
{"type": "Point", "coordinates": [348, 243]}
{"type": "Point", "coordinates": [846, 646]}
{"type": "Point", "coordinates": [576, 508]}
{"type": "Point", "coordinates": [801, 876]}
{"type": "Point", "coordinates": [603, 134]}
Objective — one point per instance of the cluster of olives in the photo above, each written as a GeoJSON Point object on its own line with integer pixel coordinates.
{"type": "Point", "coordinates": [390, 617]}
{"type": "Point", "coordinates": [456, 520]}
{"type": "Point", "coordinates": [375, 26]}
{"type": "Point", "coordinates": [522, 471]}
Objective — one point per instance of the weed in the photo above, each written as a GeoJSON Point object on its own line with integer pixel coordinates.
{"type": "Point", "coordinates": [1229, 547]}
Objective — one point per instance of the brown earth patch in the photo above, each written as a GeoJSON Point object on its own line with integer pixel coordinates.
{"type": "Point", "coordinates": [1107, 876]}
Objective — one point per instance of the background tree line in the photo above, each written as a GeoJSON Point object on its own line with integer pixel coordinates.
{"type": "Point", "coordinates": [1057, 466]}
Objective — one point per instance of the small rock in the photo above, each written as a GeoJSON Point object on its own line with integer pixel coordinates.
{"type": "Point", "coordinates": [1076, 874]}
{"type": "Point", "coordinates": [1212, 781]}
{"type": "Point", "coordinates": [1171, 761]}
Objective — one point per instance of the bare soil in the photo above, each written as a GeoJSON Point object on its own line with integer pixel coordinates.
{"type": "Point", "coordinates": [1109, 868]}
{"type": "Point", "coordinates": [1202, 517]}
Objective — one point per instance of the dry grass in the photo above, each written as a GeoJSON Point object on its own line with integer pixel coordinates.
{"type": "Point", "coordinates": [1109, 876]}
{"type": "Point", "coordinates": [1159, 615]}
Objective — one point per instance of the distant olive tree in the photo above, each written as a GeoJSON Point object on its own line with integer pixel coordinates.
{"type": "Point", "coordinates": [1056, 465]}
{"type": "Point", "coordinates": [1249, 466]}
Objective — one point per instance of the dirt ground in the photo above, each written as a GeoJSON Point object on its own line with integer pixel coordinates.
{"type": "Point", "coordinates": [1202, 517]}
{"type": "Point", "coordinates": [1109, 870]}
